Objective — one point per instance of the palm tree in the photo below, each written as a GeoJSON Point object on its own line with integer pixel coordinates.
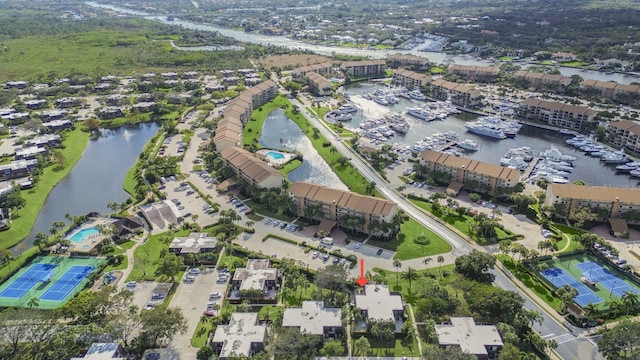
{"type": "Point", "coordinates": [397, 264]}
{"type": "Point", "coordinates": [629, 301]}
{"type": "Point", "coordinates": [410, 275]}
{"type": "Point", "coordinates": [244, 306]}
{"type": "Point", "coordinates": [566, 294]}
{"type": "Point", "coordinates": [590, 310]}
{"type": "Point", "coordinates": [7, 257]}
{"type": "Point", "coordinates": [440, 262]}
{"type": "Point", "coordinates": [41, 240]}
{"type": "Point", "coordinates": [362, 346]}
{"type": "Point", "coordinates": [426, 261]}
{"type": "Point", "coordinates": [33, 303]}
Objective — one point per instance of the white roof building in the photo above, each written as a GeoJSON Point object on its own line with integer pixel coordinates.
{"type": "Point", "coordinates": [480, 340]}
{"type": "Point", "coordinates": [243, 336]}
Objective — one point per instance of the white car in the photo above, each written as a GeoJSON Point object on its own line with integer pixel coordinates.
{"type": "Point", "coordinates": [132, 284]}
{"type": "Point", "coordinates": [194, 271]}
{"type": "Point", "coordinates": [358, 246]}
{"type": "Point", "coordinates": [189, 279]}
{"type": "Point", "coordinates": [315, 255]}
{"type": "Point", "coordinates": [215, 295]}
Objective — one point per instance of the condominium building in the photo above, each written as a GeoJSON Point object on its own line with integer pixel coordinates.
{"type": "Point", "coordinates": [244, 336]}
{"type": "Point", "coordinates": [196, 243]}
{"type": "Point", "coordinates": [262, 93]}
{"type": "Point", "coordinates": [414, 61]}
{"type": "Point", "coordinates": [615, 201]}
{"type": "Point", "coordinates": [626, 135]}
{"type": "Point", "coordinates": [611, 90]}
{"type": "Point", "coordinates": [300, 73]}
{"type": "Point", "coordinates": [248, 167]}
{"type": "Point", "coordinates": [339, 205]}
{"type": "Point", "coordinates": [482, 341]}
{"type": "Point", "coordinates": [16, 169]}
{"type": "Point", "coordinates": [460, 94]}
{"type": "Point", "coordinates": [376, 302]}
{"type": "Point", "coordinates": [539, 80]}
{"type": "Point", "coordinates": [228, 133]}
{"type": "Point", "coordinates": [410, 79]}
{"type": "Point", "coordinates": [315, 319]}
{"type": "Point", "coordinates": [256, 282]}
{"type": "Point", "coordinates": [318, 84]}
{"type": "Point", "coordinates": [557, 113]}
{"type": "Point", "coordinates": [484, 177]}
{"type": "Point", "coordinates": [475, 73]}
{"type": "Point", "coordinates": [364, 68]}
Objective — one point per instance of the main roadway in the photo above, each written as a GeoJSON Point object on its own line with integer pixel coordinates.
{"type": "Point", "coordinates": [571, 346]}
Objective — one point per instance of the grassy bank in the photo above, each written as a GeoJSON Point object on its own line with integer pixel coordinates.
{"type": "Point", "coordinates": [75, 142]}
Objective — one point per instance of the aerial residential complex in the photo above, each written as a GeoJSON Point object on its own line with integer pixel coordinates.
{"type": "Point", "coordinates": [487, 178]}
{"type": "Point", "coordinates": [257, 282]}
{"type": "Point", "coordinates": [410, 79]}
{"type": "Point", "coordinates": [248, 167]}
{"type": "Point", "coordinates": [483, 341]}
{"type": "Point", "coordinates": [537, 80]}
{"type": "Point", "coordinates": [299, 74]}
{"type": "Point", "coordinates": [364, 68]}
{"type": "Point", "coordinates": [314, 318]}
{"type": "Point", "coordinates": [475, 73]}
{"type": "Point", "coordinates": [557, 114]}
{"type": "Point", "coordinates": [615, 201]}
{"type": "Point", "coordinates": [243, 336]}
{"type": "Point", "coordinates": [376, 302]}
{"type": "Point", "coordinates": [336, 204]}
{"type": "Point", "coordinates": [460, 94]}
{"type": "Point", "coordinates": [318, 84]}
{"type": "Point", "coordinates": [408, 60]}
{"type": "Point", "coordinates": [626, 135]}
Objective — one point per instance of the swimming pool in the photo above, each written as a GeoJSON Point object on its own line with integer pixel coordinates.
{"type": "Point", "coordinates": [82, 235]}
{"type": "Point", "coordinates": [275, 155]}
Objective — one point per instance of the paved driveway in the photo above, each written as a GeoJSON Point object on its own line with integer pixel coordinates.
{"type": "Point", "coordinates": [192, 299]}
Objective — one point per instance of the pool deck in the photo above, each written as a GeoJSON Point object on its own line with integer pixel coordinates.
{"type": "Point", "coordinates": [90, 242]}
{"type": "Point", "coordinates": [286, 157]}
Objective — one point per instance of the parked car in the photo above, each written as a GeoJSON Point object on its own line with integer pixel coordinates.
{"type": "Point", "coordinates": [194, 271]}
{"type": "Point", "coordinates": [132, 284]}
{"type": "Point", "coordinates": [379, 252]}
{"type": "Point", "coordinates": [215, 295]}
{"type": "Point", "coordinates": [189, 279]}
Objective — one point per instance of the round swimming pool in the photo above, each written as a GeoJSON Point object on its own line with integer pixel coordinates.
{"type": "Point", "coordinates": [275, 155]}
{"type": "Point", "coordinates": [83, 234]}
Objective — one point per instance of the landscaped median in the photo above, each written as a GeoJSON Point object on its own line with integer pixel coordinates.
{"type": "Point", "coordinates": [75, 142]}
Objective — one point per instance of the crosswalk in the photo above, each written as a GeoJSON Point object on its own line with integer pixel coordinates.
{"type": "Point", "coordinates": [564, 338]}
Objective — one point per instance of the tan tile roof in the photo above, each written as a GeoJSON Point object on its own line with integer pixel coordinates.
{"type": "Point", "coordinates": [363, 63]}
{"type": "Point", "coordinates": [474, 166]}
{"type": "Point", "coordinates": [248, 164]}
{"type": "Point", "coordinates": [413, 75]}
{"type": "Point", "coordinates": [318, 79]}
{"type": "Point", "coordinates": [627, 125]}
{"type": "Point", "coordinates": [596, 193]}
{"type": "Point", "coordinates": [558, 106]}
{"type": "Point", "coordinates": [407, 57]}
{"type": "Point", "coordinates": [344, 199]}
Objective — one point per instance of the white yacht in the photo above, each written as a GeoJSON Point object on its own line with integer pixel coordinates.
{"type": "Point", "coordinates": [486, 130]}
{"type": "Point", "coordinates": [420, 113]}
{"type": "Point", "coordinates": [416, 95]}
{"type": "Point", "coordinates": [348, 108]}
{"type": "Point", "coordinates": [381, 100]}
{"type": "Point", "coordinates": [469, 145]}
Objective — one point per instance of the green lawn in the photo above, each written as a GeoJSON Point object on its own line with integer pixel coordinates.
{"type": "Point", "coordinates": [201, 334]}
{"type": "Point", "coordinates": [289, 167]}
{"type": "Point", "coordinates": [532, 282]}
{"type": "Point", "coordinates": [391, 348]}
{"type": "Point", "coordinates": [408, 249]}
{"type": "Point", "coordinates": [74, 144]}
{"type": "Point", "coordinates": [10, 268]}
{"type": "Point", "coordinates": [151, 149]}
{"type": "Point", "coordinates": [147, 256]}
{"type": "Point", "coordinates": [397, 283]}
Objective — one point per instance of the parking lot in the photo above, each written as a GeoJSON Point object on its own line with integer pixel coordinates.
{"type": "Point", "coordinates": [189, 202]}
{"type": "Point", "coordinates": [193, 299]}
{"type": "Point", "coordinates": [143, 293]}
{"type": "Point", "coordinates": [173, 146]}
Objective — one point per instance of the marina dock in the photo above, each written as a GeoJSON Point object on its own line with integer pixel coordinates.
{"type": "Point", "coordinates": [527, 173]}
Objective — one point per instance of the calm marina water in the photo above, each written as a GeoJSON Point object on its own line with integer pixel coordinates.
{"type": "Point", "coordinates": [586, 168]}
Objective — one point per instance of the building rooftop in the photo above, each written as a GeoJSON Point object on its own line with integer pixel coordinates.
{"type": "Point", "coordinates": [242, 331]}
{"type": "Point", "coordinates": [342, 198]}
{"type": "Point", "coordinates": [194, 243]}
{"type": "Point", "coordinates": [255, 274]}
{"type": "Point", "coordinates": [379, 303]}
{"type": "Point", "coordinates": [312, 317]}
{"type": "Point", "coordinates": [471, 338]}
{"type": "Point", "coordinates": [103, 351]}
{"type": "Point", "coordinates": [596, 193]}
{"type": "Point", "coordinates": [248, 164]}
{"type": "Point", "coordinates": [473, 166]}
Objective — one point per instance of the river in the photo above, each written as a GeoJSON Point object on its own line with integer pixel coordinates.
{"type": "Point", "coordinates": [97, 177]}
{"type": "Point", "coordinates": [435, 57]}
{"type": "Point", "coordinates": [280, 132]}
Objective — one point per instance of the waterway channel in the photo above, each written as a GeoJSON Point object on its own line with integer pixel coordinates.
{"type": "Point", "coordinates": [280, 132]}
{"type": "Point", "coordinates": [97, 177]}
{"type": "Point", "coordinates": [435, 57]}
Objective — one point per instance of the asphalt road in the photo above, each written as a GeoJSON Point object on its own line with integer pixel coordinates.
{"type": "Point", "coordinates": [570, 345]}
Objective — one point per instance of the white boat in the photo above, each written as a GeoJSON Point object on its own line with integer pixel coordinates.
{"type": "Point", "coordinates": [348, 108]}
{"type": "Point", "coordinates": [615, 157]}
{"type": "Point", "coordinates": [486, 130]}
{"type": "Point", "coordinates": [343, 117]}
{"type": "Point", "coordinates": [401, 128]}
{"type": "Point", "coordinates": [567, 132]}
{"type": "Point", "coordinates": [381, 100]}
{"type": "Point", "coordinates": [416, 95]}
{"type": "Point", "coordinates": [635, 173]}
{"type": "Point", "coordinates": [469, 145]}
{"type": "Point", "coordinates": [420, 113]}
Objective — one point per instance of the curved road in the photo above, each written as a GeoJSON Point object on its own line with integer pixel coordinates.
{"type": "Point", "coordinates": [570, 344]}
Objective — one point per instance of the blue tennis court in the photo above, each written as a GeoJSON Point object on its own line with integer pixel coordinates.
{"type": "Point", "coordinates": [67, 282]}
{"type": "Point", "coordinates": [559, 278]}
{"type": "Point", "coordinates": [36, 273]}
{"type": "Point", "coordinates": [597, 273]}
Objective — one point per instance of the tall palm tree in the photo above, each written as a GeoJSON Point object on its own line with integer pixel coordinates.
{"type": "Point", "coordinates": [33, 303]}
{"type": "Point", "coordinates": [440, 262]}
{"type": "Point", "coordinates": [629, 301]}
{"type": "Point", "coordinates": [426, 261]}
{"type": "Point", "coordinates": [397, 264]}
{"type": "Point", "coordinates": [410, 275]}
